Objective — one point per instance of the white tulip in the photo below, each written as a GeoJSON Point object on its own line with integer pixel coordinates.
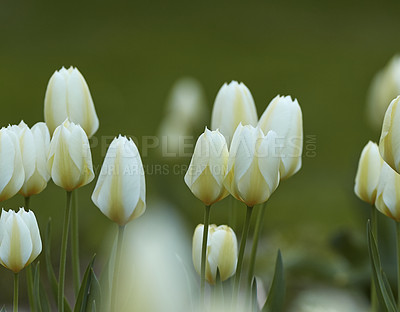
{"type": "Point", "coordinates": [11, 167]}
{"type": "Point", "coordinates": [384, 87]}
{"type": "Point", "coordinates": [283, 115]}
{"type": "Point", "coordinates": [120, 189]}
{"type": "Point", "coordinates": [368, 172]}
{"type": "Point", "coordinates": [206, 173]}
{"type": "Point", "coordinates": [222, 251]}
{"type": "Point", "coordinates": [70, 160]}
{"type": "Point", "coordinates": [20, 242]}
{"type": "Point", "coordinates": [234, 104]}
{"type": "Point", "coordinates": [68, 96]}
{"type": "Point", "coordinates": [253, 165]}
{"type": "Point", "coordinates": [388, 196]}
{"type": "Point", "coordinates": [34, 144]}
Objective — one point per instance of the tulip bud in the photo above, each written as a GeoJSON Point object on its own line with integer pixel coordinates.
{"type": "Point", "coordinates": [253, 165]}
{"type": "Point", "coordinates": [385, 86]}
{"type": "Point", "coordinates": [34, 144]}
{"type": "Point", "coordinates": [387, 198]}
{"type": "Point", "coordinates": [20, 241]}
{"type": "Point", "coordinates": [11, 168]}
{"type": "Point", "coordinates": [207, 168]}
{"type": "Point", "coordinates": [283, 115]}
{"type": "Point", "coordinates": [120, 189]}
{"type": "Point", "coordinates": [234, 104]}
{"type": "Point", "coordinates": [388, 143]}
{"type": "Point", "coordinates": [70, 160]}
{"type": "Point", "coordinates": [369, 169]}
{"type": "Point", "coordinates": [222, 252]}
{"type": "Point", "coordinates": [68, 96]}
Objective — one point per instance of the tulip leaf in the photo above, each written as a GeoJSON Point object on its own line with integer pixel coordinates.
{"type": "Point", "coordinates": [94, 299]}
{"type": "Point", "coordinates": [254, 301]}
{"type": "Point", "coordinates": [383, 290]}
{"type": "Point", "coordinates": [276, 295]}
{"type": "Point", "coordinates": [84, 291]}
{"type": "Point", "coordinates": [3, 309]}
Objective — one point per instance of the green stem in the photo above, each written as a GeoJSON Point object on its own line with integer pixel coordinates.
{"type": "Point", "coordinates": [232, 213]}
{"type": "Point", "coordinates": [27, 201]}
{"type": "Point", "coordinates": [75, 244]}
{"type": "Point", "coordinates": [257, 232]}
{"type": "Point", "coordinates": [63, 254]}
{"type": "Point", "coordinates": [398, 264]}
{"type": "Point", "coordinates": [374, 227]}
{"type": "Point", "coordinates": [16, 282]}
{"type": "Point", "coordinates": [114, 290]}
{"type": "Point", "coordinates": [204, 251]}
{"type": "Point", "coordinates": [241, 251]}
{"type": "Point", "coordinates": [29, 275]}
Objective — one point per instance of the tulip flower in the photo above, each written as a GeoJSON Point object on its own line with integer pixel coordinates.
{"type": "Point", "coordinates": [68, 96]}
{"type": "Point", "coordinates": [283, 115]}
{"type": "Point", "coordinates": [384, 87]}
{"type": "Point", "coordinates": [70, 159]}
{"type": "Point", "coordinates": [388, 143]}
{"type": "Point", "coordinates": [207, 168]}
{"type": "Point", "coordinates": [11, 168]}
{"type": "Point", "coordinates": [20, 242]}
{"type": "Point", "coordinates": [222, 252]}
{"type": "Point", "coordinates": [368, 172]}
{"type": "Point", "coordinates": [388, 198]}
{"type": "Point", "coordinates": [34, 144]}
{"type": "Point", "coordinates": [253, 165]}
{"type": "Point", "coordinates": [234, 104]}
{"type": "Point", "coordinates": [120, 189]}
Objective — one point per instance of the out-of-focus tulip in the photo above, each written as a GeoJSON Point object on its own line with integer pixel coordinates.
{"type": "Point", "coordinates": [233, 105]}
{"type": "Point", "coordinates": [369, 169]}
{"type": "Point", "coordinates": [253, 165]}
{"type": "Point", "coordinates": [385, 86]}
{"type": "Point", "coordinates": [120, 191]}
{"type": "Point", "coordinates": [388, 197]}
{"type": "Point", "coordinates": [70, 159]}
{"type": "Point", "coordinates": [11, 168]}
{"type": "Point", "coordinates": [389, 146]}
{"type": "Point", "coordinates": [222, 251]}
{"type": "Point", "coordinates": [283, 115]}
{"type": "Point", "coordinates": [68, 96]}
{"type": "Point", "coordinates": [207, 168]}
{"type": "Point", "coordinates": [34, 144]}
{"type": "Point", "coordinates": [20, 241]}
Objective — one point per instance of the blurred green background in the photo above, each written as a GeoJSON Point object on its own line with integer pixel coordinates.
{"type": "Point", "coordinates": [131, 52]}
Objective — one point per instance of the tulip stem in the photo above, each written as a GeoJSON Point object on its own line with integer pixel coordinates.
{"type": "Point", "coordinates": [116, 268]}
{"type": "Point", "coordinates": [257, 232]}
{"type": "Point", "coordinates": [398, 264]}
{"type": "Point", "coordinates": [63, 254]}
{"type": "Point", "coordinates": [16, 285]}
{"type": "Point", "coordinates": [204, 251]}
{"type": "Point", "coordinates": [29, 275]}
{"type": "Point", "coordinates": [374, 226]}
{"type": "Point", "coordinates": [245, 233]}
{"type": "Point", "coordinates": [75, 243]}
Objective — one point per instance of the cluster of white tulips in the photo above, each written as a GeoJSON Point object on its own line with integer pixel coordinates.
{"type": "Point", "coordinates": [246, 158]}
{"type": "Point", "coordinates": [378, 178]}
{"type": "Point", "coordinates": [59, 149]}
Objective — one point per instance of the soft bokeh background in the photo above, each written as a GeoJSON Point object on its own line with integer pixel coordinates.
{"type": "Point", "coordinates": [131, 53]}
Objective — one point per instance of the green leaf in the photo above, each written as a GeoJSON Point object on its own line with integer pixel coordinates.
{"type": "Point", "coordinates": [36, 280]}
{"type": "Point", "coordinates": [254, 301]}
{"type": "Point", "coordinates": [3, 309]}
{"type": "Point", "coordinates": [94, 300]}
{"type": "Point", "coordinates": [84, 292]}
{"type": "Point", "coordinates": [383, 290]}
{"type": "Point", "coordinates": [44, 300]}
{"type": "Point", "coordinates": [276, 296]}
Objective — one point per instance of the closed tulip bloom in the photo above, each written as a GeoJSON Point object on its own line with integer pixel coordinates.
{"type": "Point", "coordinates": [11, 168]}
{"type": "Point", "coordinates": [20, 242]}
{"type": "Point", "coordinates": [388, 196]}
{"type": "Point", "coordinates": [68, 96]}
{"type": "Point", "coordinates": [389, 146]}
{"type": "Point", "coordinates": [384, 87]}
{"type": "Point", "coordinates": [70, 159]}
{"type": "Point", "coordinates": [283, 115]}
{"type": "Point", "coordinates": [206, 173]}
{"type": "Point", "coordinates": [120, 191]}
{"type": "Point", "coordinates": [34, 144]}
{"type": "Point", "coordinates": [234, 104]}
{"type": "Point", "coordinates": [368, 172]}
{"type": "Point", "coordinates": [222, 252]}
{"type": "Point", "coordinates": [253, 165]}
